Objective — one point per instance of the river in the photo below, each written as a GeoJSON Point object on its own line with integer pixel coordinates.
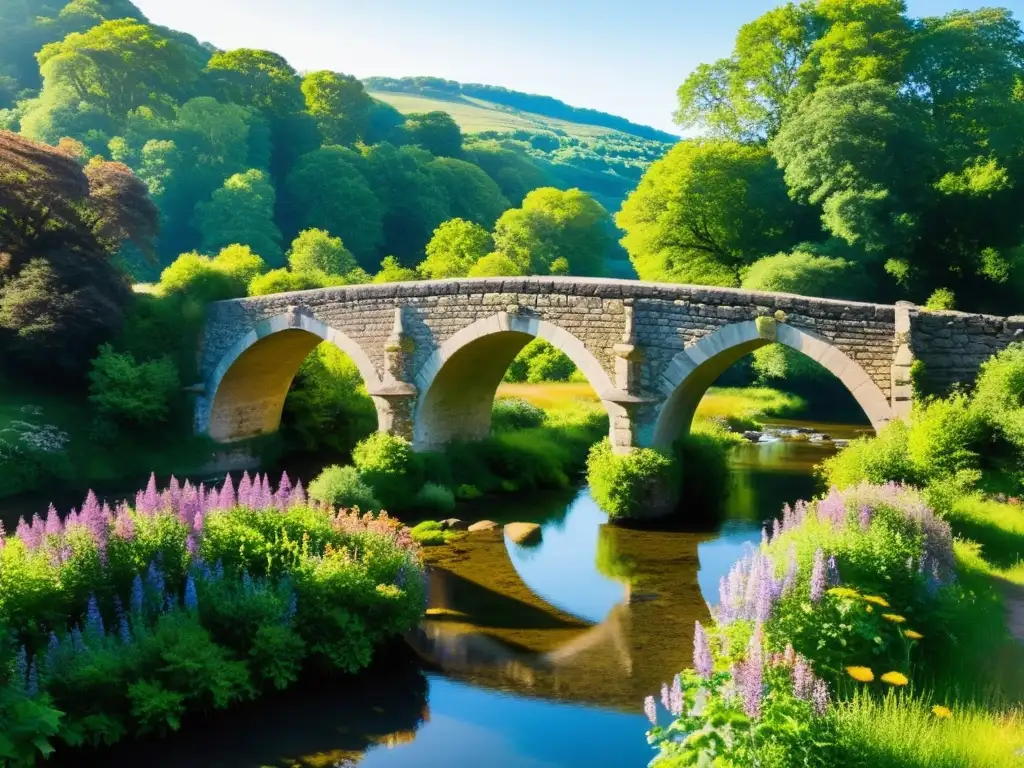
{"type": "Point", "coordinates": [529, 657]}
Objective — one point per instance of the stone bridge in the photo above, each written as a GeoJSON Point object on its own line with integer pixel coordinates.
{"type": "Point", "coordinates": [433, 353]}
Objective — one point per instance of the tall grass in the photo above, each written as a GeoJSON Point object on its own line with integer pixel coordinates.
{"type": "Point", "coordinates": [901, 731]}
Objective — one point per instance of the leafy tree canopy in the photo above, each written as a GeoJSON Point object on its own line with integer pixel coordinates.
{"type": "Point", "coordinates": [455, 247]}
{"type": "Point", "coordinates": [314, 250]}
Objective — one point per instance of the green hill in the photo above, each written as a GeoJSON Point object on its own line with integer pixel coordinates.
{"type": "Point", "coordinates": [600, 153]}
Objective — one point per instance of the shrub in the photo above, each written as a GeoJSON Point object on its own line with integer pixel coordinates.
{"type": "Point", "coordinates": [876, 460]}
{"type": "Point", "coordinates": [430, 534]}
{"type": "Point", "coordinates": [390, 467]}
{"type": "Point", "coordinates": [343, 487]}
{"type": "Point", "coordinates": [314, 250]}
{"type": "Point", "coordinates": [122, 625]}
{"type": "Point", "coordinates": [515, 413]}
{"type": "Point", "coordinates": [195, 276]}
{"type": "Point", "coordinates": [641, 483]}
{"type": "Point", "coordinates": [537, 362]}
{"type": "Point", "coordinates": [127, 391]}
{"type": "Point", "coordinates": [284, 281]}
{"type": "Point", "coordinates": [941, 299]}
{"type": "Point", "coordinates": [435, 498]}
{"type": "Point", "coordinates": [999, 394]}
{"type": "Point", "coordinates": [240, 264]}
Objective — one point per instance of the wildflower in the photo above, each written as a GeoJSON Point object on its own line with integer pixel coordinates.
{"type": "Point", "coordinates": [32, 688]}
{"type": "Point", "coordinates": [298, 497]}
{"type": "Point", "coordinates": [664, 697]}
{"type": "Point", "coordinates": [191, 600]}
{"type": "Point", "coordinates": [818, 576]}
{"type": "Point", "coordinates": [650, 711]}
{"type": "Point", "coordinates": [893, 617]}
{"type": "Point", "coordinates": [245, 491]}
{"type": "Point", "coordinates": [819, 697]}
{"type": "Point", "coordinates": [76, 640]}
{"type": "Point", "coordinates": [941, 712]}
{"type": "Point", "coordinates": [675, 697]}
{"type": "Point", "coordinates": [93, 619]}
{"type": "Point", "coordinates": [869, 609]}
{"type": "Point", "coordinates": [912, 634]}
{"type": "Point", "coordinates": [136, 599]}
{"type": "Point", "coordinates": [155, 580]}
{"type": "Point", "coordinates": [894, 678]}
{"type": "Point", "coordinates": [803, 678]}
{"type": "Point", "coordinates": [861, 674]}
{"type": "Point", "coordinates": [124, 631]}
{"type": "Point", "coordinates": [865, 517]}
{"type": "Point", "coordinates": [751, 674]}
{"type": "Point", "coordinates": [844, 592]}
{"type": "Point", "coordinates": [876, 600]}
{"type": "Point", "coordinates": [20, 667]}
{"type": "Point", "coordinates": [227, 494]}
{"type": "Point", "coordinates": [51, 651]}
{"type": "Point", "coordinates": [702, 661]}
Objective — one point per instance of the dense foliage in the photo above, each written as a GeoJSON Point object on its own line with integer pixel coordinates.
{"type": "Point", "coordinates": [887, 142]}
{"type": "Point", "coordinates": [126, 620]}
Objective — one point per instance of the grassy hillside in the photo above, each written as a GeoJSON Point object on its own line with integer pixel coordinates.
{"type": "Point", "coordinates": [479, 116]}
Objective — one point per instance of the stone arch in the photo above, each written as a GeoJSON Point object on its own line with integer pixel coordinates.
{"type": "Point", "coordinates": [244, 394]}
{"type": "Point", "coordinates": [457, 383]}
{"type": "Point", "coordinates": [692, 371]}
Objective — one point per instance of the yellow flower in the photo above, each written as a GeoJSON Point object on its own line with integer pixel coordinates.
{"type": "Point", "coordinates": [870, 609]}
{"type": "Point", "coordinates": [941, 711]}
{"type": "Point", "coordinates": [893, 617]}
{"type": "Point", "coordinates": [912, 634]}
{"type": "Point", "coordinates": [894, 678]}
{"type": "Point", "coordinates": [844, 592]}
{"type": "Point", "coordinates": [861, 674]}
{"type": "Point", "coordinates": [876, 600]}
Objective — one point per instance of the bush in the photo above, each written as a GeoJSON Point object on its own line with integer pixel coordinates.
{"type": "Point", "coordinates": [435, 498]}
{"type": "Point", "coordinates": [876, 460]}
{"type": "Point", "coordinates": [430, 534]}
{"type": "Point", "coordinates": [515, 413]}
{"type": "Point", "coordinates": [315, 251]}
{"type": "Point", "coordinates": [240, 264]}
{"type": "Point", "coordinates": [641, 483]}
{"type": "Point", "coordinates": [390, 467]}
{"type": "Point", "coordinates": [122, 626]}
{"type": "Point", "coordinates": [999, 394]}
{"type": "Point", "coordinates": [537, 362]}
{"type": "Point", "coordinates": [194, 276]}
{"type": "Point", "coordinates": [284, 281]}
{"type": "Point", "coordinates": [129, 392]}
{"type": "Point", "coordinates": [343, 487]}
{"type": "Point", "coordinates": [941, 299]}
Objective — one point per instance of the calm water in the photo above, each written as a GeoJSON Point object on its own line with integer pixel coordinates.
{"type": "Point", "coordinates": [529, 657]}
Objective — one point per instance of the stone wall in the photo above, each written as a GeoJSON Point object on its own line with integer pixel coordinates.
{"type": "Point", "coordinates": [952, 345]}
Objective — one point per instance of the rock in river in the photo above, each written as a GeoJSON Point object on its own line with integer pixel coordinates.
{"type": "Point", "coordinates": [482, 525]}
{"type": "Point", "coordinates": [523, 533]}
{"type": "Point", "coordinates": [454, 524]}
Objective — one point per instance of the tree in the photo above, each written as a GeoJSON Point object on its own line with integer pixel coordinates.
{"type": "Point", "coordinates": [708, 209]}
{"type": "Point", "coordinates": [514, 172]}
{"type": "Point", "coordinates": [860, 153]}
{"type": "Point", "coordinates": [119, 66]}
{"type": "Point", "coordinates": [414, 203]}
{"type": "Point", "coordinates": [242, 212]}
{"type": "Point", "coordinates": [392, 271]}
{"type": "Point", "coordinates": [339, 104]}
{"type": "Point", "coordinates": [138, 393]}
{"type": "Point", "coordinates": [472, 194]}
{"type": "Point", "coordinates": [253, 78]}
{"type": "Point", "coordinates": [436, 132]}
{"type": "Point", "coordinates": [314, 250]}
{"type": "Point", "coordinates": [455, 247]}
{"type": "Point", "coordinates": [284, 281]}
{"type": "Point", "coordinates": [807, 272]}
{"type": "Point", "coordinates": [327, 191]}
{"type": "Point", "coordinates": [497, 265]}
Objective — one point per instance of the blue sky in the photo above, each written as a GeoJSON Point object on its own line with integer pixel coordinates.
{"type": "Point", "coordinates": [626, 57]}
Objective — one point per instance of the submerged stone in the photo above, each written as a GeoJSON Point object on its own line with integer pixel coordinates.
{"type": "Point", "coordinates": [523, 533]}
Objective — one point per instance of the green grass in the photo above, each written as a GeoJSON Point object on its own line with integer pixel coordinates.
{"type": "Point", "coordinates": [477, 115]}
{"type": "Point", "coordinates": [901, 731]}
{"type": "Point", "coordinates": [997, 527]}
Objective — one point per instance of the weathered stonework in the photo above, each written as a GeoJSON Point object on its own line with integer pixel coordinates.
{"type": "Point", "coordinates": [432, 353]}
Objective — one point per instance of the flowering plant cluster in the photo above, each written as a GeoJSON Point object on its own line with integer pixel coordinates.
{"type": "Point", "coordinates": [120, 621]}
{"type": "Point", "coordinates": [805, 616]}
{"type": "Point", "coordinates": [31, 452]}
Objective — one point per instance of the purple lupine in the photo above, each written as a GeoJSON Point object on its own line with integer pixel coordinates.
{"type": "Point", "coordinates": [136, 599]}
{"type": "Point", "coordinates": [24, 532]}
{"type": "Point", "coordinates": [298, 498]}
{"type": "Point", "coordinates": [155, 580]}
{"type": "Point", "coordinates": [150, 499]}
{"type": "Point", "coordinates": [768, 589]}
{"type": "Point", "coordinates": [191, 600]}
{"type": "Point", "coordinates": [803, 678]}
{"type": "Point", "coordinates": [789, 581]}
{"type": "Point", "coordinates": [832, 508]}
{"type": "Point", "coordinates": [3, 535]}
{"type": "Point", "coordinates": [764, 535]}
{"type": "Point", "coordinates": [284, 492]}
{"type": "Point", "coordinates": [819, 697]}
{"type": "Point", "coordinates": [818, 576]}
{"type": "Point", "coordinates": [227, 494]}
{"type": "Point", "coordinates": [787, 518]}
{"type": "Point", "coordinates": [77, 642]}
{"type": "Point", "coordinates": [664, 697]}
{"type": "Point", "coordinates": [751, 674]}
{"type": "Point", "coordinates": [93, 618]}
{"type": "Point", "coordinates": [32, 688]}
{"type": "Point", "coordinates": [174, 490]}
{"type": "Point", "coordinates": [266, 500]}
{"type": "Point", "coordinates": [776, 529]}
{"type": "Point", "coordinates": [865, 517]}
{"type": "Point", "coordinates": [21, 668]}
{"type": "Point", "coordinates": [212, 499]}
{"type": "Point", "coordinates": [245, 490]}
{"type": "Point", "coordinates": [650, 710]}
{"type": "Point", "coordinates": [53, 526]}
{"type": "Point", "coordinates": [52, 647]}
{"type": "Point", "coordinates": [124, 524]}
{"type": "Point", "coordinates": [124, 631]}
{"type": "Point", "coordinates": [201, 497]}
{"type": "Point", "coordinates": [675, 697]}
{"type": "Point", "coordinates": [703, 663]}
